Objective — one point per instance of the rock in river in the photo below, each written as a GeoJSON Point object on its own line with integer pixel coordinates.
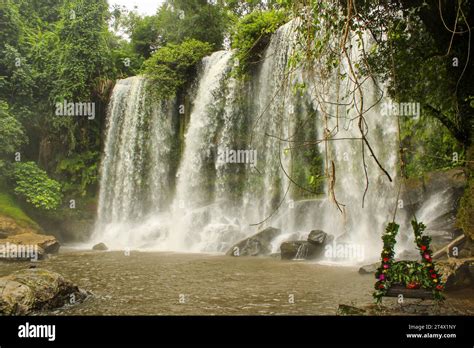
{"type": "Point", "coordinates": [35, 289]}
{"type": "Point", "coordinates": [100, 247]}
{"type": "Point", "coordinates": [317, 237]}
{"type": "Point", "coordinates": [257, 245]}
{"type": "Point", "coordinates": [367, 269]}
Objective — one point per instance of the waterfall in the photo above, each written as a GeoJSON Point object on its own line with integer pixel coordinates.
{"type": "Point", "coordinates": [242, 156]}
{"type": "Point", "coordinates": [135, 167]}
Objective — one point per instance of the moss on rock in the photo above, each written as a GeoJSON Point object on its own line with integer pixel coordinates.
{"type": "Point", "coordinates": [36, 289]}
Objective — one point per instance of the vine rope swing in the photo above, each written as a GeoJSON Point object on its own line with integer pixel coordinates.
{"type": "Point", "coordinates": [403, 278]}
{"type": "Point", "coordinates": [407, 278]}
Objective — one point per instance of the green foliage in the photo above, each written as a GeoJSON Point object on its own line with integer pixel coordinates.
{"type": "Point", "coordinates": [465, 215]}
{"type": "Point", "coordinates": [175, 22]}
{"type": "Point", "coordinates": [10, 23]}
{"type": "Point", "coordinates": [172, 66]}
{"type": "Point", "coordinates": [252, 34]}
{"type": "Point", "coordinates": [428, 146]}
{"type": "Point", "coordinates": [83, 55]}
{"type": "Point", "coordinates": [242, 7]}
{"type": "Point", "coordinates": [12, 134]}
{"type": "Point", "coordinates": [16, 80]}
{"type": "Point", "coordinates": [307, 167]}
{"type": "Point", "coordinates": [415, 60]}
{"type": "Point", "coordinates": [81, 171]}
{"type": "Point", "coordinates": [34, 185]}
{"type": "Point", "coordinates": [406, 272]}
{"type": "Point", "coordinates": [144, 35]}
{"type": "Point", "coordinates": [42, 12]}
{"type": "Point", "coordinates": [180, 20]}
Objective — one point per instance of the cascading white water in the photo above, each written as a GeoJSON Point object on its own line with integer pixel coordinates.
{"type": "Point", "coordinates": [214, 201]}
{"type": "Point", "coordinates": [135, 167]}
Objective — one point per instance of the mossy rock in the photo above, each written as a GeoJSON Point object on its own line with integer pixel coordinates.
{"type": "Point", "coordinates": [36, 289]}
{"type": "Point", "coordinates": [350, 310]}
{"type": "Point", "coordinates": [457, 273]}
{"type": "Point", "coordinates": [12, 217]}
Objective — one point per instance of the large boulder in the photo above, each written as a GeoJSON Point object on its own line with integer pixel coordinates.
{"type": "Point", "coordinates": [305, 249]}
{"type": "Point", "coordinates": [457, 273]}
{"type": "Point", "coordinates": [257, 245]}
{"type": "Point", "coordinates": [368, 269]}
{"type": "Point", "coordinates": [35, 289]}
{"type": "Point", "coordinates": [300, 249]}
{"type": "Point", "coordinates": [317, 237]}
{"type": "Point", "coordinates": [49, 244]}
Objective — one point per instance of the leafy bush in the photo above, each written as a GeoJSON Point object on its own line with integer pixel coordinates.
{"type": "Point", "coordinates": [12, 134]}
{"type": "Point", "coordinates": [428, 146]}
{"type": "Point", "coordinates": [34, 185]}
{"type": "Point", "coordinates": [170, 67]}
{"type": "Point", "coordinates": [179, 20]}
{"type": "Point", "coordinates": [252, 34]}
{"type": "Point", "coordinates": [80, 170]}
{"type": "Point", "coordinates": [465, 216]}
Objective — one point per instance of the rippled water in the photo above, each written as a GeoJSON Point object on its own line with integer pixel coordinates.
{"type": "Point", "coordinates": [153, 283]}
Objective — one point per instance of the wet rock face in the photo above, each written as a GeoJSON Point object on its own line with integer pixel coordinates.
{"type": "Point", "coordinates": [36, 289]}
{"type": "Point", "coordinates": [300, 249]}
{"type": "Point", "coordinates": [434, 199]}
{"type": "Point", "coordinates": [416, 191]}
{"type": "Point", "coordinates": [309, 249]}
{"type": "Point", "coordinates": [317, 237]}
{"type": "Point", "coordinates": [257, 245]}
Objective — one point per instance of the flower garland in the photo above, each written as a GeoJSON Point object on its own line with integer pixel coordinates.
{"type": "Point", "coordinates": [411, 274]}
{"type": "Point", "coordinates": [423, 244]}
{"type": "Point", "coordinates": [382, 274]}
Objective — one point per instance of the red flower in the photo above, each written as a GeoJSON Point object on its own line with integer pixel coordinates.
{"type": "Point", "coordinates": [433, 275]}
{"type": "Point", "coordinates": [381, 286]}
{"type": "Point", "coordinates": [385, 259]}
{"type": "Point", "coordinates": [439, 287]}
{"type": "Point", "coordinates": [413, 285]}
{"type": "Point", "coordinates": [423, 247]}
{"type": "Point", "coordinates": [431, 270]}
